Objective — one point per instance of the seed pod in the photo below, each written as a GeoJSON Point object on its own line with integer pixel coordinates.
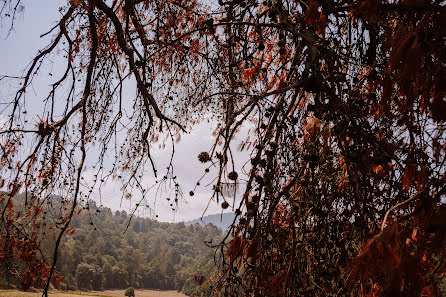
{"type": "Point", "coordinates": [204, 157]}
{"type": "Point", "coordinates": [233, 175]}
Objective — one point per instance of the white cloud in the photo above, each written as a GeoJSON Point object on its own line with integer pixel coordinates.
{"type": "Point", "coordinates": [188, 171]}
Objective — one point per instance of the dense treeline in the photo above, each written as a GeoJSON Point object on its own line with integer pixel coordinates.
{"type": "Point", "coordinates": [99, 255]}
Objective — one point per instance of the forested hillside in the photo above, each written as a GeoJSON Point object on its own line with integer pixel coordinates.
{"type": "Point", "coordinates": [98, 254]}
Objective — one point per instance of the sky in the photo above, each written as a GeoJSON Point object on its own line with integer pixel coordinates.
{"type": "Point", "coordinates": [16, 51]}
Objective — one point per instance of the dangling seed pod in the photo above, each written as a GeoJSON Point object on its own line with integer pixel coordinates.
{"type": "Point", "coordinates": [224, 205]}
{"type": "Point", "coordinates": [204, 157]}
{"type": "Point", "coordinates": [233, 175]}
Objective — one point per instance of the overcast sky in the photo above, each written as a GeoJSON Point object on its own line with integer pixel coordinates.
{"type": "Point", "coordinates": [17, 50]}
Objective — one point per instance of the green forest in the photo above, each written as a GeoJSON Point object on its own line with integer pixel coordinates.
{"type": "Point", "coordinates": [113, 250]}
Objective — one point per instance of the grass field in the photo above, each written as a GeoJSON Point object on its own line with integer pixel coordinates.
{"type": "Point", "coordinates": [110, 293]}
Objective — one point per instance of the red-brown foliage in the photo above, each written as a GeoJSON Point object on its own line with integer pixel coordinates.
{"type": "Point", "coordinates": [345, 192]}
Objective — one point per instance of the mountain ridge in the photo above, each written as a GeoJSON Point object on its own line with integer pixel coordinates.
{"type": "Point", "coordinates": [220, 220]}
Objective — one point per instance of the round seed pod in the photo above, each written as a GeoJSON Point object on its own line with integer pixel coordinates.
{"type": "Point", "coordinates": [224, 205]}
{"type": "Point", "coordinates": [204, 157]}
{"type": "Point", "coordinates": [233, 175]}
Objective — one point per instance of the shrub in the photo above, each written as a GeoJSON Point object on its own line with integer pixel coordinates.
{"type": "Point", "coordinates": [130, 291]}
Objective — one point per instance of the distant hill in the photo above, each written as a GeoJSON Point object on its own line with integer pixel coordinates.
{"type": "Point", "coordinates": [222, 221]}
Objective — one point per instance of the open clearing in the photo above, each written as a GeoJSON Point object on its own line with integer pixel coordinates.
{"type": "Point", "coordinates": [109, 293]}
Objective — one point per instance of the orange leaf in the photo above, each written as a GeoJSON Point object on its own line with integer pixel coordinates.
{"type": "Point", "coordinates": [252, 249]}
{"type": "Point", "coordinates": [312, 12]}
{"type": "Point", "coordinates": [235, 247]}
{"type": "Point", "coordinates": [408, 176]}
{"type": "Point", "coordinates": [422, 177]}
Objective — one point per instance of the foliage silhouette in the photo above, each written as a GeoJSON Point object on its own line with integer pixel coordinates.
{"type": "Point", "coordinates": [346, 189]}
